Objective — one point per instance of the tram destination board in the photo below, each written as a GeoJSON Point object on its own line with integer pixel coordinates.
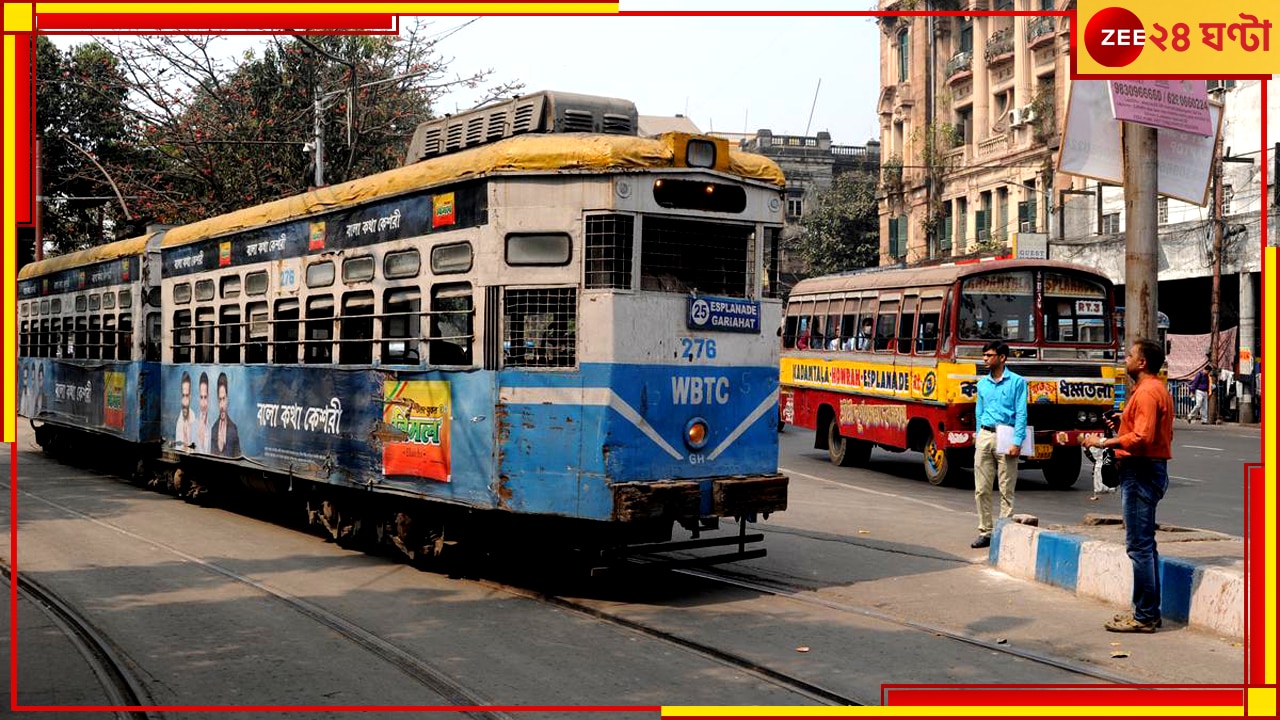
{"type": "Point", "coordinates": [724, 314]}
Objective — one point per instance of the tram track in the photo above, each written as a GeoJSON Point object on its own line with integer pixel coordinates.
{"type": "Point", "coordinates": [799, 596]}
{"type": "Point", "coordinates": [109, 664]}
{"type": "Point", "coordinates": [468, 702]}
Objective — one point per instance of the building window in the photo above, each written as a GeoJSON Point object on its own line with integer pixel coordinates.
{"type": "Point", "coordinates": [1162, 210]}
{"type": "Point", "coordinates": [795, 205]}
{"type": "Point", "coordinates": [1110, 223]}
{"type": "Point", "coordinates": [904, 52]}
{"type": "Point", "coordinates": [1027, 220]}
{"type": "Point", "coordinates": [964, 123]}
{"type": "Point", "coordinates": [966, 35]}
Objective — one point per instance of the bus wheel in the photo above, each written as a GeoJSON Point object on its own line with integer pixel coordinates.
{"type": "Point", "coordinates": [845, 451]}
{"type": "Point", "coordinates": [937, 466]}
{"type": "Point", "coordinates": [1063, 469]}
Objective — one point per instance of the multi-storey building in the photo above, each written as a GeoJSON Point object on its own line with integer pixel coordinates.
{"type": "Point", "coordinates": [968, 118]}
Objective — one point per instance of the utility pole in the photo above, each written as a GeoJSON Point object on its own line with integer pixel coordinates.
{"type": "Point", "coordinates": [1214, 302]}
{"type": "Point", "coordinates": [1141, 287]}
{"type": "Point", "coordinates": [39, 255]}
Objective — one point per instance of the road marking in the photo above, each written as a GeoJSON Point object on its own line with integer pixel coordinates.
{"type": "Point", "coordinates": [1202, 447]}
{"type": "Point", "coordinates": [872, 492]}
{"type": "Point", "coordinates": [1188, 479]}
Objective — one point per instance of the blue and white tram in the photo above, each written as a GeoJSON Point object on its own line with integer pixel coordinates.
{"type": "Point", "coordinates": [566, 328]}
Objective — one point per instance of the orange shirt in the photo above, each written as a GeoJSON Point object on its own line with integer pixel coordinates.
{"type": "Point", "coordinates": [1146, 427]}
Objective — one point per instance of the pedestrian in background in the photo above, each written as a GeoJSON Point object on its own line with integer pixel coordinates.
{"type": "Point", "coordinates": [1143, 448]}
{"type": "Point", "coordinates": [1002, 400]}
{"type": "Point", "coordinates": [1200, 386]}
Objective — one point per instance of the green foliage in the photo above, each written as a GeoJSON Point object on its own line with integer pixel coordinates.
{"type": "Point", "coordinates": [80, 112]}
{"type": "Point", "coordinates": [842, 231]}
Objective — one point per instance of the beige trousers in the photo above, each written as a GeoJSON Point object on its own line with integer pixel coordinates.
{"type": "Point", "coordinates": [985, 465]}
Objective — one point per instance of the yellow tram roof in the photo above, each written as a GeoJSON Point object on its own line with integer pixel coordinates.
{"type": "Point", "coordinates": [918, 277]}
{"type": "Point", "coordinates": [534, 152]}
{"type": "Point", "coordinates": [80, 258]}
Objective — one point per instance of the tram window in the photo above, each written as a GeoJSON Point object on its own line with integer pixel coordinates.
{"type": "Point", "coordinates": [907, 326]}
{"type": "Point", "coordinates": [229, 333]}
{"type": "Point", "coordinates": [319, 340]}
{"type": "Point", "coordinates": [451, 258]}
{"type": "Point", "coordinates": [82, 337]}
{"type": "Point", "coordinates": [55, 341]}
{"type": "Point", "coordinates": [44, 307]}
{"type": "Point", "coordinates": [539, 249]}
{"type": "Point", "coordinates": [885, 321]}
{"type": "Point", "coordinates": [681, 255]}
{"type": "Point", "coordinates": [126, 299]}
{"type": "Point", "coordinates": [108, 337]}
{"type": "Point", "coordinates": [204, 290]}
{"type": "Point", "coordinates": [357, 269]}
{"type": "Point", "coordinates": [182, 336]}
{"type": "Point", "coordinates": [25, 308]}
{"type": "Point", "coordinates": [56, 306]}
{"type": "Point", "coordinates": [153, 344]}
{"type": "Point", "coordinates": [255, 283]}
{"type": "Point", "coordinates": [320, 274]}
{"type": "Point", "coordinates": [356, 341]}
{"type": "Point", "coordinates": [181, 293]}
{"type": "Point", "coordinates": [108, 301]}
{"type": "Point", "coordinates": [23, 339]}
{"type": "Point", "coordinates": [539, 328]}
{"type": "Point", "coordinates": [403, 264]}
{"type": "Point", "coordinates": [95, 302]}
{"type": "Point", "coordinates": [230, 287]}
{"type": "Point", "coordinates": [124, 337]}
{"type": "Point", "coordinates": [609, 239]}
{"type": "Point", "coordinates": [255, 351]}
{"type": "Point", "coordinates": [285, 334]}
{"type": "Point", "coordinates": [95, 336]}
{"type": "Point", "coordinates": [204, 333]}
{"type": "Point", "coordinates": [401, 326]}
{"type": "Point", "coordinates": [82, 304]}
{"type": "Point", "coordinates": [451, 324]}
{"type": "Point", "coordinates": [44, 337]}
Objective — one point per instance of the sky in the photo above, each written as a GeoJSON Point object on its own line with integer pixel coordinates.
{"type": "Point", "coordinates": [729, 74]}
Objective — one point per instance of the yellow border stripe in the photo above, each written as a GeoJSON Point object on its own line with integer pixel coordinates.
{"type": "Point", "coordinates": [10, 389]}
{"type": "Point", "coordinates": [1262, 702]}
{"type": "Point", "coordinates": [17, 17]}
{"type": "Point", "coordinates": [1267, 633]}
{"type": "Point", "coordinates": [953, 711]}
{"type": "Point", "coordinates": [476, 8]}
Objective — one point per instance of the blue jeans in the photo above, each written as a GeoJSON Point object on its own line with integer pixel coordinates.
{"type": "Point", "coordinates": [1143, 483]}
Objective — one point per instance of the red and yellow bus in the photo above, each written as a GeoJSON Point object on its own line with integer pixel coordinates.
{"type": "Point", "coordinates": [892, 358]}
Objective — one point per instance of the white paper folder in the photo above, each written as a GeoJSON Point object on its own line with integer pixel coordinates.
{"type": "Point", "coordinates": [1004, 440]}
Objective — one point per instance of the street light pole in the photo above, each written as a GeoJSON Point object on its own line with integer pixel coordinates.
{"type": "Point", "coordinates": [1141, 287]}
{"type": "Point", "coordinates": [1214, 302]}
{"type": "Point", "coordinates": [322, 98]}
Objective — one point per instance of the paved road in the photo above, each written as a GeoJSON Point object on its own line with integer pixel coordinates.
{"type": "Point", "coordinates": [1206, 479]}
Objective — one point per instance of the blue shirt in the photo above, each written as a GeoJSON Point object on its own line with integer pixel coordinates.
{"type": "Point", "coordinates": [1004, 403]}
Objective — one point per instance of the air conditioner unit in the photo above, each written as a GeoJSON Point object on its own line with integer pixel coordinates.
{"type": "Point", "coordinates": [1028, 114]}
{"type": "Point", "coordinates": [1026, 226]}
{"type": "Point", "coordinates": [1015, 117]}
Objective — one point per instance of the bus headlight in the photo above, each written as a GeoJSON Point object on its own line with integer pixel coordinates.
{"type": "Point", "coordinates": [695, 434]}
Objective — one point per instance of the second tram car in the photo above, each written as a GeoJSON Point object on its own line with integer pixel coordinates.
{"type": "Point", "coordinates": [565, 326]}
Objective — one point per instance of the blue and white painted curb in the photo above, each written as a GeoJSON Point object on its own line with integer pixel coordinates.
{"type": "Point", "coordinates": [1202, 595]}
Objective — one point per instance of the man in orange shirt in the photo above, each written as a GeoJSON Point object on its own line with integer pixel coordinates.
{"type": "Point", "coordinates": [1143, 448]}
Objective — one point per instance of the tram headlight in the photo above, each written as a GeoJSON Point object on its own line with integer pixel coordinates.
{"type": "Point", "coordinates": [695, 434]}
{"type": "Point", "coordinates": [700, 153]}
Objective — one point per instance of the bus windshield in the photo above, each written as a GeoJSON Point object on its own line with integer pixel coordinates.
{"type": "Point", "coordinates": [997, 306]}
{"type": "Point", "coordinates": [1075, 310]}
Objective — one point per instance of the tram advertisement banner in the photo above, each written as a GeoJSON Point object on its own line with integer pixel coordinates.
{"type": "Point", "coordinates": [419, 409]}
{"type": "Point", "coordinates": [333, 424]}
{"type": "Point", "coordinates": [90, 395]}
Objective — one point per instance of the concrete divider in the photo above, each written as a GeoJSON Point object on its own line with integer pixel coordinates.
{"type": "Point", "coordinates": [1204, 594]}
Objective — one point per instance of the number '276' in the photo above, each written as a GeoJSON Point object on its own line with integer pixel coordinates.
{"type": "Point", "coordinates": [697, 348]}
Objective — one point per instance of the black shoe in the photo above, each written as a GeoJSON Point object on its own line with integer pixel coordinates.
{"type": "Point", "coordinates": [981, 542]}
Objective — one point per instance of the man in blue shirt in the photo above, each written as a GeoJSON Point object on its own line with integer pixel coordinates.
{"type": "Point", "coordinates": [1002, 400]}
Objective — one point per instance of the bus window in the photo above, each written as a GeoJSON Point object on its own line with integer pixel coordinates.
{"type": "Point", "coordinates": [886, 319]}
{"type": "Point", "coordinates": [1075, 310]}
{"type": "Point", "coordinates": [997, 306]}
{"type": "Point", "coordinates": [907, 326]}
{"type": "Point", "coordinates": [817, 325]}
{"type": "Point", "coordinates": [833, 324]}
{"type": "Point", "coordinates": [928, 326]}
{"type": "Point", "coordinates": [791, 328]}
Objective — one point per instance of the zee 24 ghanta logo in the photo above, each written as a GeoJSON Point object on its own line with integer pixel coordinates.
{"type": "Point", "coordinates": [1115, 37]}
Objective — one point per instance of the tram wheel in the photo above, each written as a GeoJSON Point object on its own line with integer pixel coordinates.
{"type": "Point", "coordinates": [846, 451]}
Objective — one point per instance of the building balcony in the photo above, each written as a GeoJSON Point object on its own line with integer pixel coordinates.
{"type": "Point", "coordinates": [959, 66]}
{"type": "Point", "coordinates": [1040, 31]}
{"type": "Point", "coordinates": [995, 146]}
{"type": "Point", "coordinates": [1000, 46]}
